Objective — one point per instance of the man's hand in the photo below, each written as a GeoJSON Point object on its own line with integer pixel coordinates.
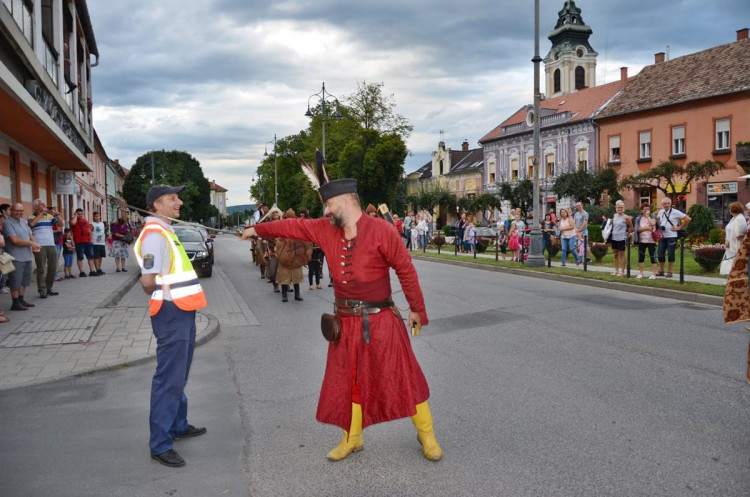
{"type": "Point", "coordinates": [415, 323]}
{"type": "Point", "coordinates": [248, 233]}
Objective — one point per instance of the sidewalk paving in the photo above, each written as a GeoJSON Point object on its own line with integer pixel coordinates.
{"type": "Point", "coordinates": [94, 323]}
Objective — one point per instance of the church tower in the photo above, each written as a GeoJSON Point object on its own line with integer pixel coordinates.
{"type": "Point", "coordinates": [571, 62]}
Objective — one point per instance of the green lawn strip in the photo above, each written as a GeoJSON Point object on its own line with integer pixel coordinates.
{"type": "Point", "coordinates": [673, 284]}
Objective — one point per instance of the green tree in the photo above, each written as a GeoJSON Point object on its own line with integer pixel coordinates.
{"type": "Point", "coordinates": [376, 162]}
{"type": "Point", "coordinates": [667, 175]}
{"type": "Point", "coordinates": [172, 168]}
{"type": "Point", "coordinates": [702, 220]}
{"type": "Point", "coordinates": [372, 109]}
{"type": "Point", "coordinates": [519, 194]}
{"type": "Point", "coordinates": [587, 187]}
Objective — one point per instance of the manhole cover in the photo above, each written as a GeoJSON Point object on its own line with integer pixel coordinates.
{"type": "Point", "coordinates": [51, 332]}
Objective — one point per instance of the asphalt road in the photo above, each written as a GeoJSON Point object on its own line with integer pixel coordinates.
{"type": "Point", "coordinates": [538, 388]}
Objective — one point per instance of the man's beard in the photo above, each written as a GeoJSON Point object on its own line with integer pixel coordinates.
{"type": "Point", "coordinates": [337, 220]}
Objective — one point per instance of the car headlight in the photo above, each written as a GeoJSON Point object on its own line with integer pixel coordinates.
{"type": "Point", "coordinates": [202, 254]}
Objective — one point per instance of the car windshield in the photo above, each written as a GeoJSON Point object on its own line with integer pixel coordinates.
{"type": "Point", "coordinates": [189, 235]}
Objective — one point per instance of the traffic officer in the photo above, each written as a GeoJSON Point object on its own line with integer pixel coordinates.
{"type": "Point", "coordinates": [168, 277]}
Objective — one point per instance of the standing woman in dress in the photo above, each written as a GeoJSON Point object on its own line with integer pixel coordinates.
{"type": "Point", "coordinates": [735, 233]}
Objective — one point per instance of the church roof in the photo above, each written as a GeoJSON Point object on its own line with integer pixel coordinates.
{"type": "Point", "coordinates": [577, 106]}
{"type": "Point", "coordinates": [714, 72]}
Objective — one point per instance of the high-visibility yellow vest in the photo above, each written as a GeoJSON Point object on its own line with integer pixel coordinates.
{"type": "Point", "coordinates": [181, 281]}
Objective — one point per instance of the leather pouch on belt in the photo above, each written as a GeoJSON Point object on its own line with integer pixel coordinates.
{"type": "Point", "coordinates": [331, 327]}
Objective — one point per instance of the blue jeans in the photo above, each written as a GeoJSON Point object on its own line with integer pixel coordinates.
{"type": "Point", "coordinates": [568, 245]}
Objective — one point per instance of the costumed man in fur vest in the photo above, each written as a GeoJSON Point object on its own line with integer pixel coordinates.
{"type": "Point", "coordinates": [371, 373]}
{"type": "Point", "coordinates": [292, 254]}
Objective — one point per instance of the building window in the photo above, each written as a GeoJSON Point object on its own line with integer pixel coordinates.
{"type": "Point", "coordinates": [514, 169]}
{"type": "Point", "coordinates": [722, 134]}
{"type": "Point", "coordinates": [441, 167]}
{"type": "Point", "coordinates": [647, 195]}
{"type": "Point", "coordinates": [583, 159]}
{"type": "Point", "coordinates": [492, 177]}
{"type": "Point", "coordinates": [678, 140]}
{"type": "Point", "coordinates": [550, 162]}
{"type": "Point", "coordinates": [530, 168]}
{"type": "Point", "coordinates": [580, 78]}
{"type": "Point", "coordinates": [23, 13]}
{"type": "Point", "coordinates": [614, 148]}
{"type": "Point", "coordinates": [557, 80]}
{"type": "Point", "coordinates": [645, 145]}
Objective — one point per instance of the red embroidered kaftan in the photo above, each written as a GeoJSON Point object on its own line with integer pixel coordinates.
{"type": "Point", "coordinates": [386, 372]}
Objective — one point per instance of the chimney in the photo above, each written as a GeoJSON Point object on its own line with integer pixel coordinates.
{"type": "Point", "coordinates": [742, 34]}
{"type": "Point", "coordinates": [623, 75]}
{"type": "Point", "coordinates": [465, 146]}
{"type": "Point", "coordinates": [659, 58]}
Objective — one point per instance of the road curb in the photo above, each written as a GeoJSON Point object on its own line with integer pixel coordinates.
{"type": "Point", "coordinates": [611, 285]}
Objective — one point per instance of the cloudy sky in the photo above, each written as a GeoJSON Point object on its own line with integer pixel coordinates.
{"type": "Point", "coordinates": [218, 78]}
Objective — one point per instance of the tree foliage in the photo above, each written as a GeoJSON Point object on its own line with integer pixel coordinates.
{"type": "Point", "coordinates": [372, 109]}
{"type": "Point", "coordinates": [519, 194]}
{"type": "Point", "coordinates": [667, 175]}
{"type": "Point", "coordinates": [366, 143]}
{"type": "Point", "coordinates": [702, 220]}
{"type": "Point", "coordinates": [171, 168]}
{"type": "Point", "coordinates": [586, 187]}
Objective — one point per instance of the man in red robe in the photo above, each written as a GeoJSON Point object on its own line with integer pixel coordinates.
{"type": "Point", "coordinates": [371, 372]}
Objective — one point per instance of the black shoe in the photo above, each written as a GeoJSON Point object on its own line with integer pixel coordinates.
{"type": "Point", "coordinates": [169, 458]}
{"type": "Point", "coordinates": [588, 261]}
{"type": "Point", "coordinates": [50, 292]}
{"type": "Point", "coordinates": [18, 307]}
{"type": "Point", "coordinates": [117, 270]}
{"type": "Point", "coordinates": [42, 295]}
{"type": "Point", "coordinates": [82, 275]}
{"type": "Point", "coordinates": [124, 270]}
{"type": "Point", "coordinates": [192, 431]}
{"type": "Point", "coordinates": [25, 304]}
{"type": "Point", "coordinates": [99, 272]}
{"type": "Point", "coordinates": [298, 298]}
{"type": "Point", "coordinates": [284, 299]}
{"type": "Point", "coordinates": [93, 273]}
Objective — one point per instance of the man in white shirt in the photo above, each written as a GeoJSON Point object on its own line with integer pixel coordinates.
{"type": "Point", "coordinates": [671, 221]}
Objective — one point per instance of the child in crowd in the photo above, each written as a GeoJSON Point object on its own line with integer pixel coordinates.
{"type": "Point", "coordinates": [471, 235]}
{"type": "Point", "coordinates": [514, 243]}
{"type": "Point", "coordinates": [69, 250]}
{"type": "Point", "coordinates": [580, 246]}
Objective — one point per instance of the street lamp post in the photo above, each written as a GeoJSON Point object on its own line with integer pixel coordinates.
{"type": "Point", "coordinates": [536, 250]}
{"type": "Point", "coordinates": [275, 170]}
{"type": "Point", "coordinates": [324, 97]}
{"type": "Point", "coordinates": [161, 175]}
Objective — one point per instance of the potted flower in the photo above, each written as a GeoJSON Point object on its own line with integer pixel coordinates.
{"type": "Point", "coordinates": [599, 250]}
{"type": "Point", "coordinates": [709, 257]}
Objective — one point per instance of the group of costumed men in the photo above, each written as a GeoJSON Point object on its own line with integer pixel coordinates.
{"type": "Point", "coordinates": [281, 260]}
{"type": "Point", "coordinates": [372, 374]}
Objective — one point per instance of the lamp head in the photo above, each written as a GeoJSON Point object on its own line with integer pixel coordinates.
{"type": "Point", "coordinates": [308, 113]}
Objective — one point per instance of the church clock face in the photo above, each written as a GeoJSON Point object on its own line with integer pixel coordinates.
{"type": "Point", "coordinates": [579, 52]}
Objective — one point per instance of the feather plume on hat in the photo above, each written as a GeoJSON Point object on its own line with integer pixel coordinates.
{"type": "Point", "coordinates": [316, 175]}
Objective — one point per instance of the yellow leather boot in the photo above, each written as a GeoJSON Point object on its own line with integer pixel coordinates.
{"type": "Point", "coordinates": [423, 422]}
{"type": "Point", "coordinates": [352, 441]}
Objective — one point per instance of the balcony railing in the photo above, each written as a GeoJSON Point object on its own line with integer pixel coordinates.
{"type": "Point", "coordinates": [23, 16]}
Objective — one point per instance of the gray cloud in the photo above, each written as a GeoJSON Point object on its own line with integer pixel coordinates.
{"type": "Point", "coordinates": [219, 78]}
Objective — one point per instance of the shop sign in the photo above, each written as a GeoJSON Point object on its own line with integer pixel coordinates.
{"type": "Point", "coordinates": [728, 187]}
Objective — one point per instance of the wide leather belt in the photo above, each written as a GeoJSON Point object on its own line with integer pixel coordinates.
{"type": "Point", "coordinates": [349, 307]}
